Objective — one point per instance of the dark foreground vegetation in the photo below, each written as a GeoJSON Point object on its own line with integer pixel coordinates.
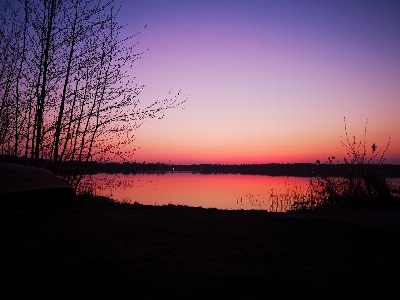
{"type": "Point", "coordinates": [94, 247]}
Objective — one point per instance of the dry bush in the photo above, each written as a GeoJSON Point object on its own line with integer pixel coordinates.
{"type": "Point", "coordinates": [362, 185]}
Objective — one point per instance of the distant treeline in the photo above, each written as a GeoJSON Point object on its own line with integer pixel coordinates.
{"type": "Point", "coordinates": [273, 169]}
{"type": "Point", "coordinates": [296, 169]}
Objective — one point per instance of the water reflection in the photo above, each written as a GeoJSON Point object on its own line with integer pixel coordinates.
{"type": "Point", "coordinates": [222, 191]}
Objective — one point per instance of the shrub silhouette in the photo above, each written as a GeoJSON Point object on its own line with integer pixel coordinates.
{"type": "Point", "coordinates": [362, 186]}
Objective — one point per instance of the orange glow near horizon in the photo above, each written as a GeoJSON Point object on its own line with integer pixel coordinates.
{"type": "Point", "coordinates": [258, 153]}
{"type": "Point", "coordinates": [267, 81]}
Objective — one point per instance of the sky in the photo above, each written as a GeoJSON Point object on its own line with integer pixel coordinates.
{"type": "Point", "coordinates": [266, 81]}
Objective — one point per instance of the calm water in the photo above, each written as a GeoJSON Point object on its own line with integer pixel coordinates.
{"type": "Point", "coordinates": [222, 191]}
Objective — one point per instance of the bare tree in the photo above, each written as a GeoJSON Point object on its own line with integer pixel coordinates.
{"type": "Point", "coordinates": [66, 96]}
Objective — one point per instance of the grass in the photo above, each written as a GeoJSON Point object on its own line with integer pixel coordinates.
{"type": "Point", "coordinates": [92, 245]}
{"type": "Point", "coordinates": [362, 186]}
{"type": "Point", "coordinates": [95, 237]}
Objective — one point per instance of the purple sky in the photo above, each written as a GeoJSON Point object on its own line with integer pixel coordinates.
{"type": "Point", "coordinates": [269, 81]}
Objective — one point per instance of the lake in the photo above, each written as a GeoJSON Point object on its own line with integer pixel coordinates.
{"type": "Point", "coordinates": [222, 191]}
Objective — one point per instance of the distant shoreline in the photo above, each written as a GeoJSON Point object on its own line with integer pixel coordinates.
{"type": "Point", "coordinates": [271, 169]}
{"type": "Point", "coordinates": [296, 169]}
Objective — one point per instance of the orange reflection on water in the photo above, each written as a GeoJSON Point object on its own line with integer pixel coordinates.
{"type": "Point", "coordinates": [222, 191]}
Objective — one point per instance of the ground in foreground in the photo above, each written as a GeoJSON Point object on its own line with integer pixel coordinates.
{"type": "Point", "coordinates": [92, 247]}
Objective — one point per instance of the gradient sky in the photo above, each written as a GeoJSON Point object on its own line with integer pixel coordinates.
{"type": "Point", "coordinates": [269, 81]}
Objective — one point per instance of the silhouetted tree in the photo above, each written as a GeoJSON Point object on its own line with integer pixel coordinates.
{"type": "Point", "coordinates": [66, 96]}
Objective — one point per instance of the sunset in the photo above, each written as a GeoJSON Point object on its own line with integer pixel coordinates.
{"type": "Point", "coordinates": [266, 81]}
{"type": "Point", "coordinates": [200, 149]}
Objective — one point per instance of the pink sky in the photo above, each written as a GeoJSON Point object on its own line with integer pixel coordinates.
{"type": "Point", "coordinates": [266, 81]}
